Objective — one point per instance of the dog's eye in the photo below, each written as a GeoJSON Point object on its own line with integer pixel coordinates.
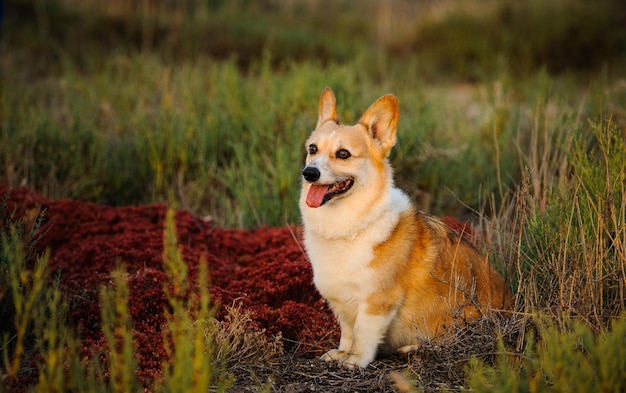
{"type": "Point", "coordinates": [342, 154]}
{"type": "Point", "coordinates": [312, 149]}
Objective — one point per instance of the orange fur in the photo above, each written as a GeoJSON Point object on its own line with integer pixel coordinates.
{"type": "Point", "coordinates": [392, 275]}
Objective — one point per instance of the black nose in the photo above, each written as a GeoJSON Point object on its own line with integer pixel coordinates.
{"type": "Point", "coordinates": [311, 174]}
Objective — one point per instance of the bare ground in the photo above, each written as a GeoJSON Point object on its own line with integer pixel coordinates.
{"type": "Point", "coordinates": [435, 366]}
{"type": "Point", "coordinates": [298, 374]}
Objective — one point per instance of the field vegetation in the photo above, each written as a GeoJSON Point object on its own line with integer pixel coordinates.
{"type": "Point", "coordinates": [512, 117]}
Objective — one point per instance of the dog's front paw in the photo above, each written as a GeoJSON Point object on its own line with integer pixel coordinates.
{"type": "Point", "coordinates": [334, 355]}
{"type": "Point", "coordinates": [353, 361]}
{"type": "Point", "coordinates": [345, 359]}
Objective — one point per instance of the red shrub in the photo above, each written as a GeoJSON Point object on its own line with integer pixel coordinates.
{"type": "Point", "coordinates": [265, 270]}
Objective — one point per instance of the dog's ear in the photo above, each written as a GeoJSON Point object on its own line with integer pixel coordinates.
{"type": "Point", "coordinates": [381, 120]}
{"type": "Point", "coordinates": [328, 108]}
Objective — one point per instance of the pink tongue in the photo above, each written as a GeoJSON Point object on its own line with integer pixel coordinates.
{"type": "Point", "coordinates": [315, 197]}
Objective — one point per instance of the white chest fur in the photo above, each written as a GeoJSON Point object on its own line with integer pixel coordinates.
{"type": "Point", "coordinates": [340, 268]}
{"type": "Point", "coordinates": [341, 264]}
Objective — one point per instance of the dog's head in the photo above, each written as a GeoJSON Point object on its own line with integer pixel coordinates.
{"type": "Point", "coordinates": [344, 160]}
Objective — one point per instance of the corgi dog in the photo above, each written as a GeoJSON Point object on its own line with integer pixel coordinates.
{"type": "Point", "coordinates": [392, 275]}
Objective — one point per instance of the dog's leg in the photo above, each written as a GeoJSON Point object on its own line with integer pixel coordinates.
{"type": "Point", "coordinates": [369, 332]}
{"type": "Point", "coordinates": [345, 343]}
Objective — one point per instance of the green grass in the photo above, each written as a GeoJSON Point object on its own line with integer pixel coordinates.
{"type": "Point", "coordinates": [565, 253]}
{"type": "Point", "coordinates": [478, 39]}
{"type": "Point", "coordinates": [136, 122]}
{"type": "Point", "coordinates": [570, 359]}
{"type": "Point", "coordinates": [581, 236]}
{"type": "Point", "coordinates": [228, 144]}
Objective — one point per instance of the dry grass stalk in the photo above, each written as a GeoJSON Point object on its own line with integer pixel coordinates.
{"type": "Point", "coordinates": [238, 340]}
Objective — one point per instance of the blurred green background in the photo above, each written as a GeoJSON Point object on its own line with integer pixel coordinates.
{"type": "Point", "coordinates": [206, 104]}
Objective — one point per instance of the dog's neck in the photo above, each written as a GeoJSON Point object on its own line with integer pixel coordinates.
{"type": "Point", "coordinates": [381, 219]}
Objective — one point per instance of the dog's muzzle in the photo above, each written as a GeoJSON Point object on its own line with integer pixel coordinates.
{"type": "Point", "coordinates": [311, 174]}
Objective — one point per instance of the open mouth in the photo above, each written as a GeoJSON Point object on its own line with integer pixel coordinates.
{"type": "Point", "coordinates": [320, 194]}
